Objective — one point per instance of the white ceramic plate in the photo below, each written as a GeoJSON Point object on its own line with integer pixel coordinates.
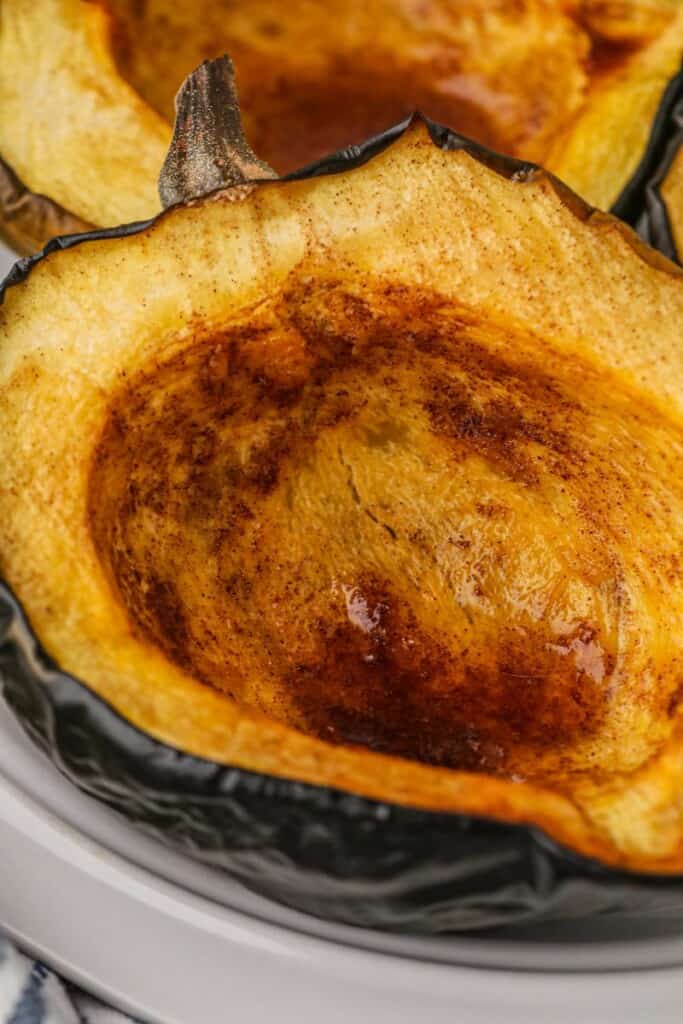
{"type": "Point", "coordinates": [135, 923]}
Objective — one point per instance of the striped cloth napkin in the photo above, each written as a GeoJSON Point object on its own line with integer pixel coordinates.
{"type": "Point", "coordinates": [30, 993]}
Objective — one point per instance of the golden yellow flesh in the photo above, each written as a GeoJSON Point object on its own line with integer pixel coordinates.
{"type": "Point", "coordinates": [86, 140]}
{"type": "Point", "coordinates": [600, 150]}
{"type": "Point", "coordinates": [397, 482]}
{"type": "Point", "coordinates": [388, 522]}
{"type": "Point", "coordinates": [572, 85]}
{"type": "Point", "coordinates": [626, 21]}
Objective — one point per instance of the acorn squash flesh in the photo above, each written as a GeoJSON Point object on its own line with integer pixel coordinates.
{"type": "Point", "coordinates": [306, 479]}
{"type": "Point", "coordinates": [574, 86]}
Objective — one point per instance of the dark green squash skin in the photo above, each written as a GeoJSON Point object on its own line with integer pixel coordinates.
{"type": "Point", "coordinates": [641, 203]}
{"type": "Point", "coordinates": [317, 849]}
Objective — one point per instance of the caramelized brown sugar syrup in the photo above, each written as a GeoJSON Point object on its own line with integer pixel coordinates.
{"type": "Point", "coordinates": [388, 524]}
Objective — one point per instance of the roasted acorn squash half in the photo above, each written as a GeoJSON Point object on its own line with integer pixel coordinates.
{"type": "Point", "coordinates": [347, 515]}
{"type": "Point", "coordinates": [86, 88]}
